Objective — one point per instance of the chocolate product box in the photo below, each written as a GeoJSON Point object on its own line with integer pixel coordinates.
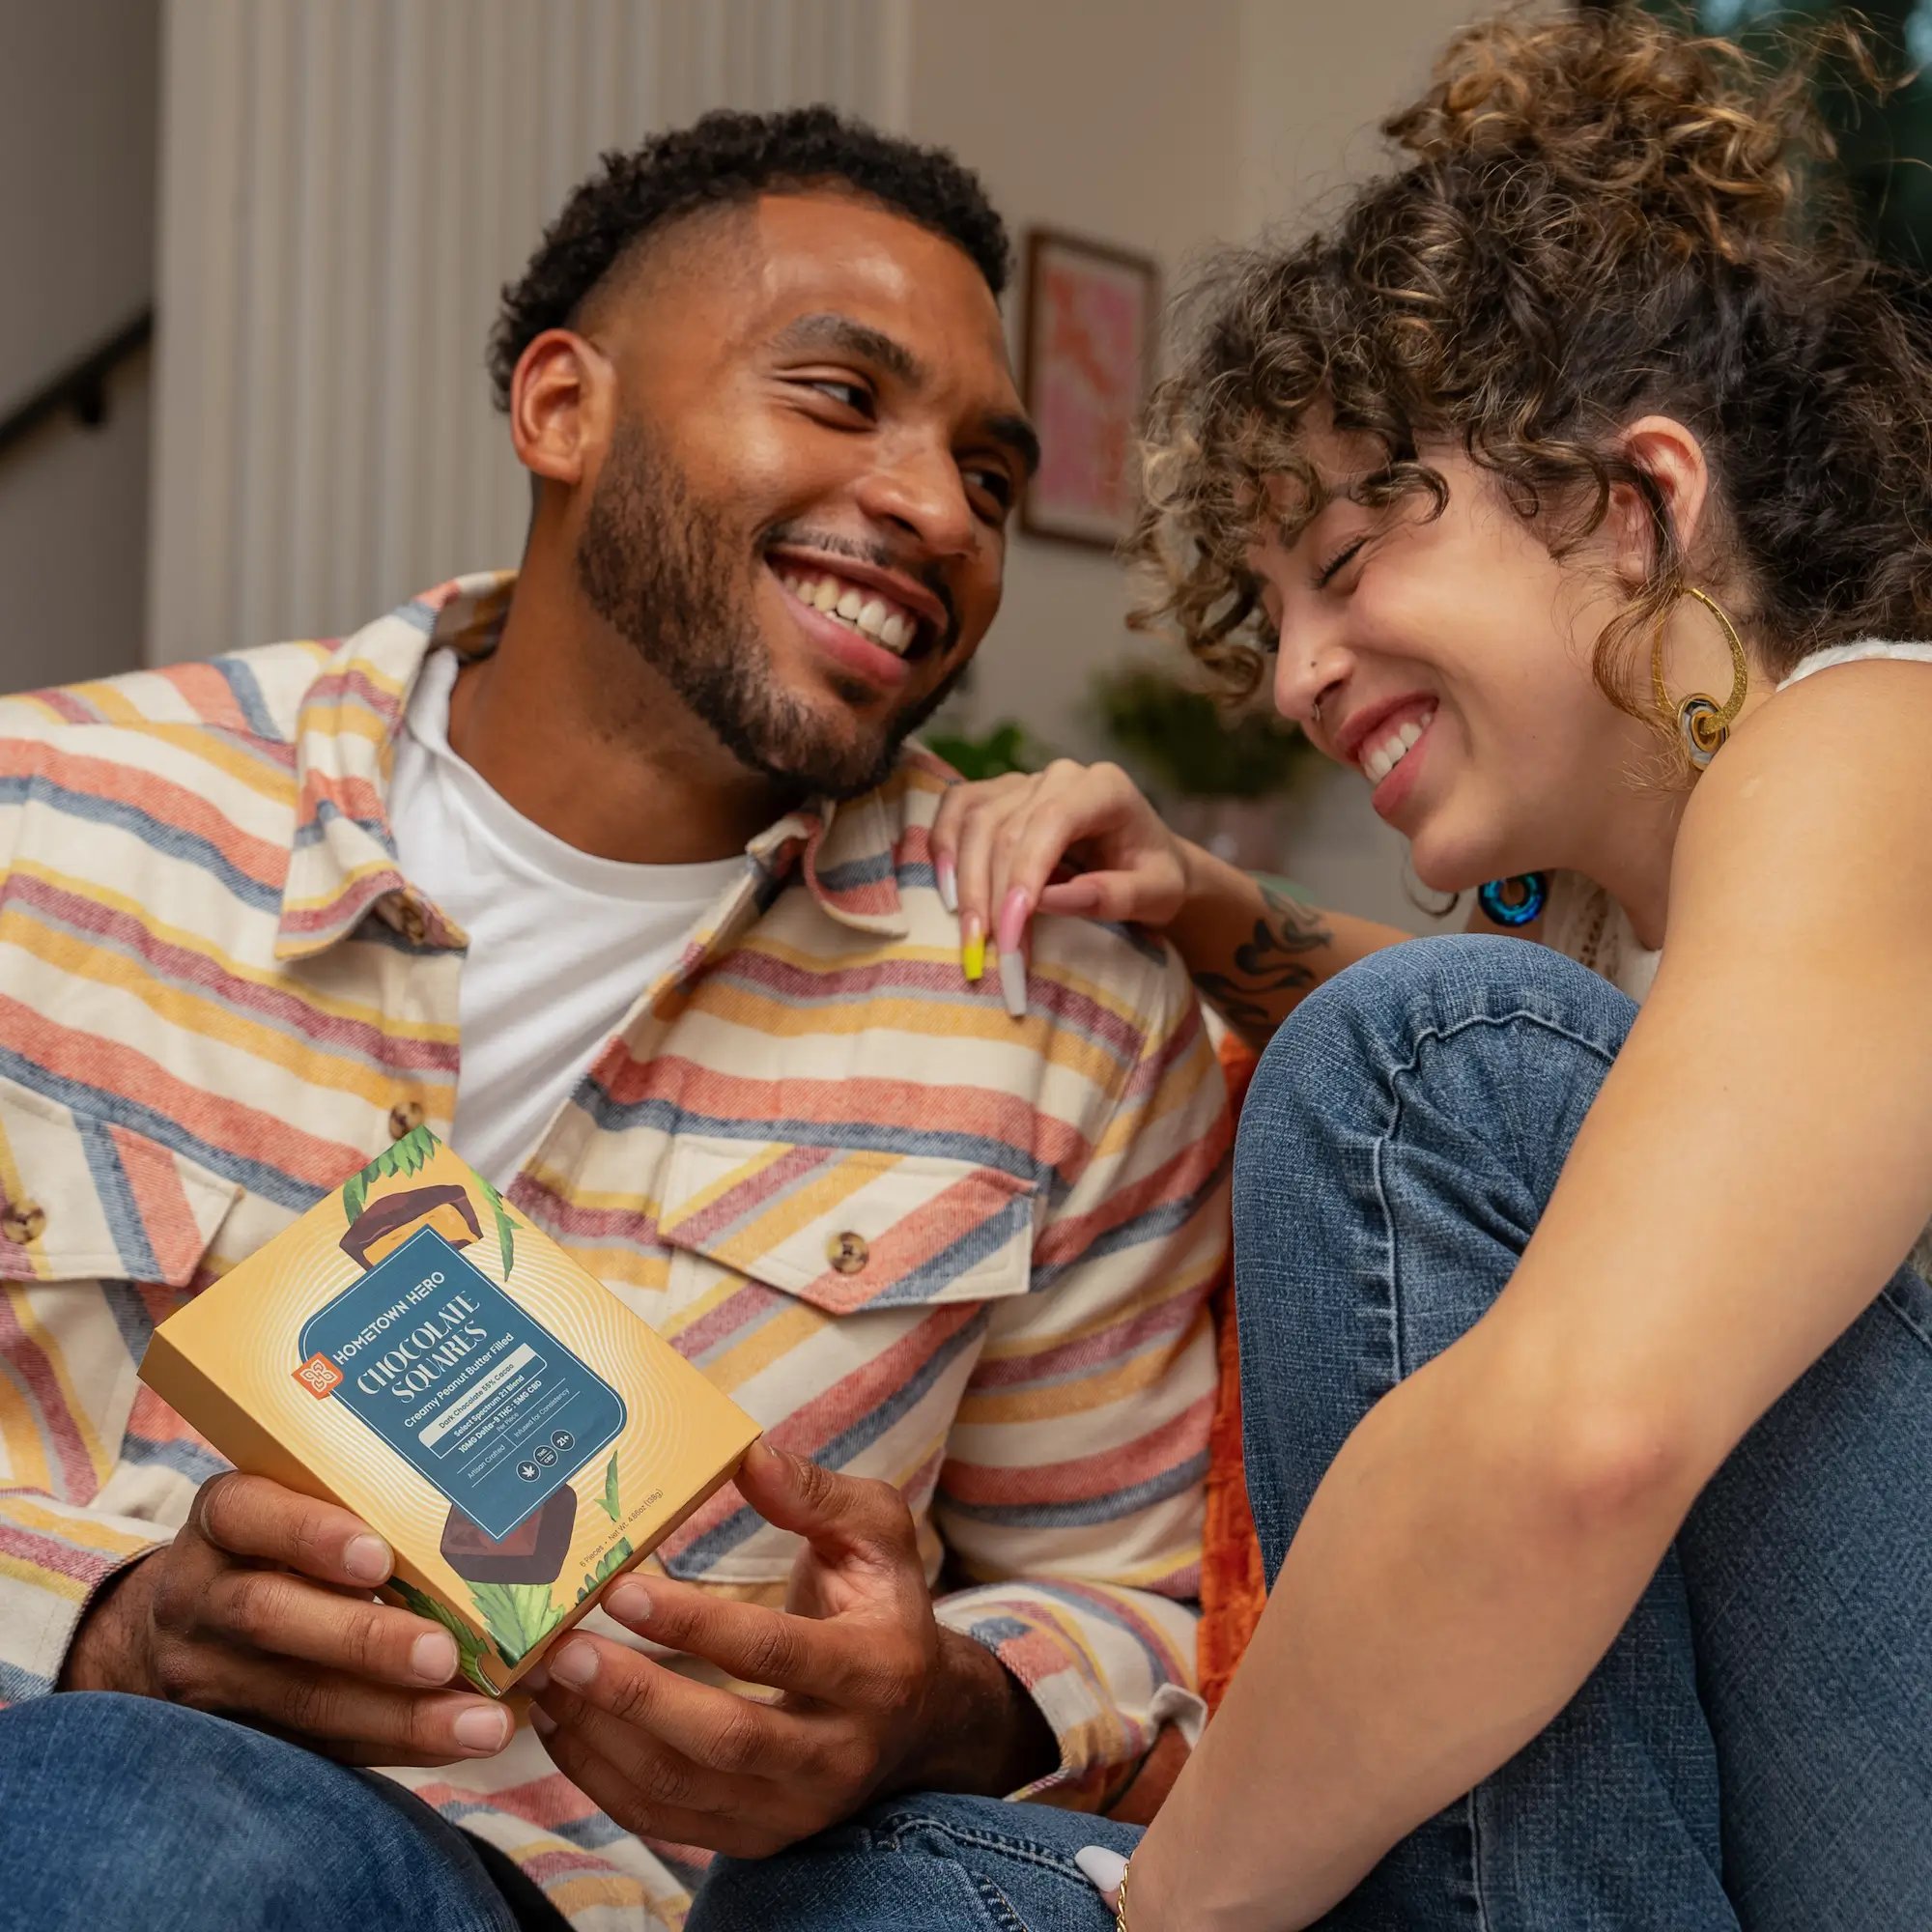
{"type": "Point", "coordinates": [415, 1349]}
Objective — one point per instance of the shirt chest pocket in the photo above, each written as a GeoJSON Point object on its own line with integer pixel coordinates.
{"type": "Point", "coordinates": [836, 1294]}
{"type": "Point", "coordinates": [88, 1209]}
{"type": "Point", "coordinates": [850, 1229]}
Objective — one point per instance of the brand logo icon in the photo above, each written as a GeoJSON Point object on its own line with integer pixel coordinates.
{"type": "Point", "coordinates": [320, 1376]}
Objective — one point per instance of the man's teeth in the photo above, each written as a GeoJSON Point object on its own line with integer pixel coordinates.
{"type": "Point", "coordinates": [1381, 757]}
{"type": "Point", "coordinates": [871, 616]}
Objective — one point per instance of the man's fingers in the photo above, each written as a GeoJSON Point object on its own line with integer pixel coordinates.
{"type": "Point", "coordinates": [368, 1724]}
{"type": "Point", "coordinates": [805, 1656]}
{"type": "Point", "coordinates": [713, 1729]}
{"type": "Point", "coordinates": [273, 1610]}
{"type": "Point", "coordinates": [249, 1516]}
{"type": "Point", "coordinates": [609, 1716]}
{"type": "Point", "coordinates": [744, 1830]}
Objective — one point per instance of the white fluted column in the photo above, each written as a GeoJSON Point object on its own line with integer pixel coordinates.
{"type": "Point", "coordinates": [345, 187]}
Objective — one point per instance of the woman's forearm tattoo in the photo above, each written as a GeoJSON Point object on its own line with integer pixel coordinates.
{"type": "Point", "coordinates": [1268, 963]}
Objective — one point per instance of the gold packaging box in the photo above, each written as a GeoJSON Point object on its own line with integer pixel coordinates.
{"type": "Point", "coordinates": [417, 1351]}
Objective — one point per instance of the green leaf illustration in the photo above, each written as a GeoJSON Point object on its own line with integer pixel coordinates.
{"type": "Point", "coordinates": [613, 1560]}
{"type": "Point", "coordinates": [408, 1155]}
{"type": "Point", "coordinates": [518, 1617]}
{"type": "Point", "coordinates": [506, 1231]}
{"type": "Point", "coordinates": [468, 1645]}
{"type": "Point", "coordinates": [610, 1496]}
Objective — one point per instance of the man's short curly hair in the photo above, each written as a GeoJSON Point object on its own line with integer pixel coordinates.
{"type": "Point", "coordinates": [725, 160]}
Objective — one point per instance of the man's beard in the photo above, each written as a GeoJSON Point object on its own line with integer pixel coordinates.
{"type": "Point", "coordinates": [668, 574]}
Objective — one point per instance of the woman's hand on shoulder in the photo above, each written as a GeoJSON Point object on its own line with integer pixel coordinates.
{"type": "Point", "coordinates": [1079, 839]}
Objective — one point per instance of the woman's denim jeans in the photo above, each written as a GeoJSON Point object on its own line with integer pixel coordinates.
{"type": "Point", "coordinates": [1755, 1751]}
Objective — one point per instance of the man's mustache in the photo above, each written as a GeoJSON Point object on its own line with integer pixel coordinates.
{"type": "Point", "coordinates": [881, 556]}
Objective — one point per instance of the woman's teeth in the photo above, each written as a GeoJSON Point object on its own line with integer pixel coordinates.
{"type": "Point", "coordinates": [861, 611]}
{"type": "Point", "coordinates": [1381, 757]}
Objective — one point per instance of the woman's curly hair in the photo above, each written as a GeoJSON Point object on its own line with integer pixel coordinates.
{"type": "Point", "coordinates": [1598, 217]}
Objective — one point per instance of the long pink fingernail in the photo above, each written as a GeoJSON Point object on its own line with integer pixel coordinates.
{"type": "Point", "coordinates": [947, 877]}
{"type": "Point", "coordinates": [1013, 918]}
{"type": "Point", "coordinates": [1013, 983]}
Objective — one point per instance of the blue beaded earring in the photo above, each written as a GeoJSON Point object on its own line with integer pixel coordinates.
{"type": "Point", "coordinates": [1514, 901]}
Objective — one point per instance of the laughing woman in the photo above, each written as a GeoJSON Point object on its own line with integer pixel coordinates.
{"type": "Point", "coordinates": [1572, 482]}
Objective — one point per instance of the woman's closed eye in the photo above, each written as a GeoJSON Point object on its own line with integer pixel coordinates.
{"type": "Point", "coordinates": [1329, 571]}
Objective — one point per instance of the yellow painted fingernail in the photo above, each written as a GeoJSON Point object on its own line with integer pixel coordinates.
{"type": "Point", "coordinates": [973, 954]}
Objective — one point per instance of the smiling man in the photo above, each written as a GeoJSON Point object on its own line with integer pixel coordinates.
{"type": "Point", "coordinates": [615, 872]}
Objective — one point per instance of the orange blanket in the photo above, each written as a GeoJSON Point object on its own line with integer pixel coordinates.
{"type": "Point", "coordinates": [1231, 1589]}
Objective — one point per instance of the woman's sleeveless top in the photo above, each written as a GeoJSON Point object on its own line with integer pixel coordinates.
{"type": "Point", "coordinates": [1582, 921]}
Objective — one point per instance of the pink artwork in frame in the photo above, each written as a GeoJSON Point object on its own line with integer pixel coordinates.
{"type": "Point", "coordinates": [1091, 319]}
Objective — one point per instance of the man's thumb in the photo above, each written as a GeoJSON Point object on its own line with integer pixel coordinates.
{"type": "Point", "coordinates": [832, 1513]}
{"type": "Point", "coordinates": [787, 1490]}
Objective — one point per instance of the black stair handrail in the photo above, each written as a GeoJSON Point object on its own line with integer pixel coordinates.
{"type": "Point", "coordinates": [82, 387]}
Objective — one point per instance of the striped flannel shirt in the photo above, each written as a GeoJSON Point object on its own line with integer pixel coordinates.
{"type": "Point", "coordinates": [218, 996]}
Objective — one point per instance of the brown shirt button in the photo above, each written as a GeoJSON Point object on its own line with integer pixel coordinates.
{"type": "Point", "coordinates": [23, 1222]}
{"type": "Point", "coordinates": [847, 1253]}
{"type": "Point", "coordinates": [411, 924]}
{"type": "Point", "coordinates": [405, 1118]}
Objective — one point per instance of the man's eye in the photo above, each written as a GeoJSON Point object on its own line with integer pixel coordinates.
{"type": "Point", "coordinates": [855, 396]}
{"type": "Point", "coordinates": [996, 483]}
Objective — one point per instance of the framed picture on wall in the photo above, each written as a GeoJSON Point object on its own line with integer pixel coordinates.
{"type": "Point", "coordinates": [1088, 344]}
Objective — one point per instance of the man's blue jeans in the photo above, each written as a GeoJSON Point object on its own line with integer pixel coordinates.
{"type": "Point", "coordinates": [1755, 1752]}
{"type": "Point", "coordinates": [123, 1811]}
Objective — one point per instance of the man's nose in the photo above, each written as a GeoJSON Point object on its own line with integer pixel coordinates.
{"type": "Point", "coordinates": [920, 488]}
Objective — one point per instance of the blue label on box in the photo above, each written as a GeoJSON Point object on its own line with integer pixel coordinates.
{"type": "Point", "coordinates": [461, 1381]}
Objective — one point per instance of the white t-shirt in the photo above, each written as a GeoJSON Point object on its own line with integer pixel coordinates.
{"type": "Point", "coordinates": [561, 942]}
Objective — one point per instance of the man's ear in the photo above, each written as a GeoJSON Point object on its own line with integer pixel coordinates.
{"type": "Point", "coordinates": [560, 403]}
{"type": "Point", "coordinates": [1673, 459]}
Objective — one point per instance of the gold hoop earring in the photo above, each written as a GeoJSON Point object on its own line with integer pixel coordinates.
{"type": "Point", "coordinates": [1699, 722]}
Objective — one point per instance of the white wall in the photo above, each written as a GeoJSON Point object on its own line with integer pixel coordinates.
{"type": "Point", "coordinates": [1116, 122]}
{"type": "Point", "coordinates": [78, 95]}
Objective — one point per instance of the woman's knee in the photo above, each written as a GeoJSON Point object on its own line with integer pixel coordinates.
{"type": "Point", "coordinates": [1373, 1016]}
{"type": "Point", "coordinates": [1488, 1036]}
{"type": "Point", "coordinates": [1394, 1157]}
